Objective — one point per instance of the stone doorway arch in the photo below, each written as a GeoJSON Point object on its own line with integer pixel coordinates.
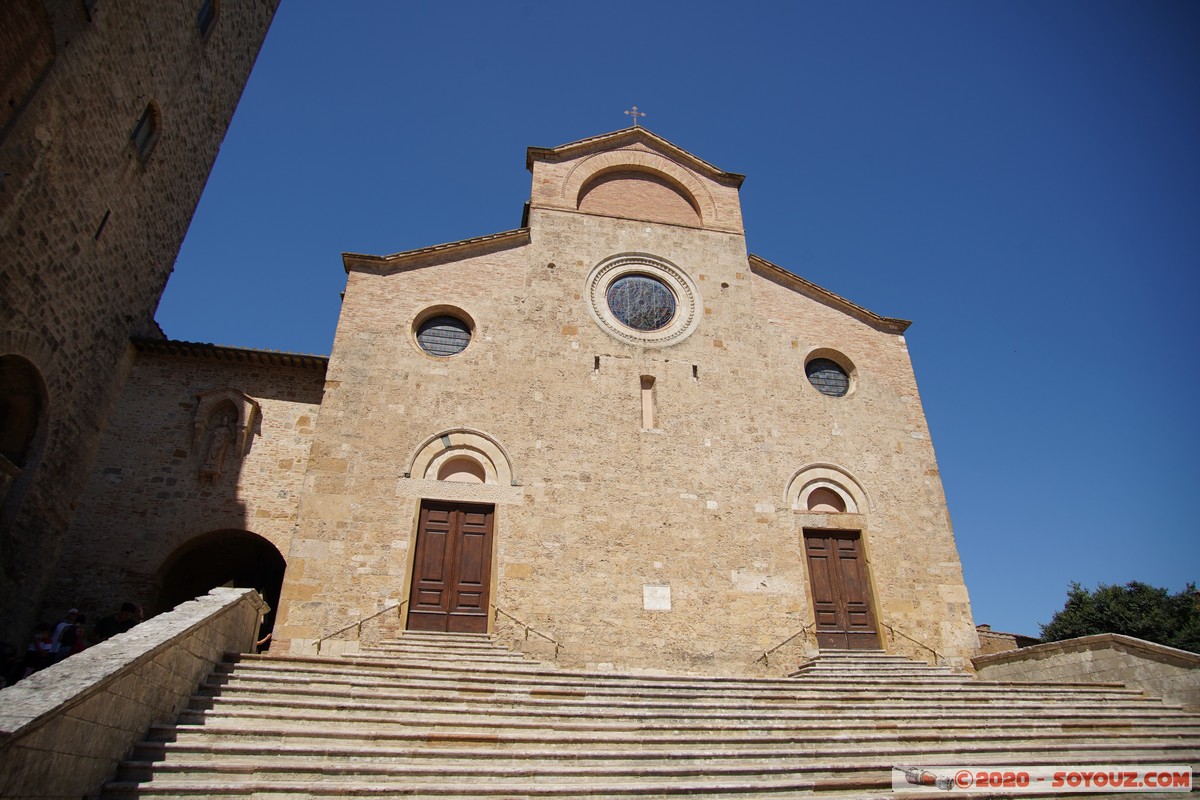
{"type": "Point", "coordinates": [228, 557]}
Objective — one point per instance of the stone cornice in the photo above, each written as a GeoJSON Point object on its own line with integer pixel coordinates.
{"type": "Point", "coordinates": [213, 352]}
{"type": "Point", "coordinates": [810, 289]}
{"type": "Point", "coordinates": [1116, 641]}
{"type": "Point", "coordinates": [628, 136]}
{"type": "Point", "coordinates": [435, 254]}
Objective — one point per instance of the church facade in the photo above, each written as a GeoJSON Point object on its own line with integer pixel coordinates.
{"type": "Point", "coordinates": [612, 424]}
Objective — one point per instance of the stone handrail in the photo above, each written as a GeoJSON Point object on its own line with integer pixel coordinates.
{"type": "Point", "coordinates": [530, 629]}
{"type": "Point", "coordinates": [359, 623]}
{"type": "Point", "coordinates": [766, 654]}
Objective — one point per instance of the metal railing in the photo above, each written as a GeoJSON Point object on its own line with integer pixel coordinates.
{"type": "Point", "coordinates": [530, 629]}
{"type": "Point", "coordinates": [358, 633]}
{"type": "Point", "coordinates": [766, 654]}
{"type": "Point", "coordinates": [938, 657]}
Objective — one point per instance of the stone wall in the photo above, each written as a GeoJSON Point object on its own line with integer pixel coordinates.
{"type": "Point", "coordinates": [1165, 672]}
{"type": "Point", "coordinates": [147, 498]}
{"type": "Point", "coordinates": [63, 730]}
{"type": "Point", "coordinates": [89, 227]}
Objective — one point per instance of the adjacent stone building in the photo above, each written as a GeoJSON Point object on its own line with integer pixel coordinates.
{"type": "Point", "coordinates": [612, 424]}
{"type": "Point", "coordinates": [111, 115]}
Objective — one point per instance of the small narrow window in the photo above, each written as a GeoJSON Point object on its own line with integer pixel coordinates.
{"type": "Point", "coordinates": [145, 133]}
{"type": "Point", "coordinates": [206, 17]}
{"type": "Point", "coordinates": [647, 401]}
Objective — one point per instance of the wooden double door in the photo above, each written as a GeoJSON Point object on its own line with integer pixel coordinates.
{"type": "Point", "coordinates": [452, 568]}
{"type": "Point", "coordinates": [841, 590]}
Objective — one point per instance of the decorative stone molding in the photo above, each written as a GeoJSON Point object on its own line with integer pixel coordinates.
{"type": "Point", "coordinates": [594, 166]}
{"type": "Point", "coordinates": [687, 298]}
{"type": "Point", "coordinates": [435, 451]}
{"type": "Point", "coordinates": [827, 476]}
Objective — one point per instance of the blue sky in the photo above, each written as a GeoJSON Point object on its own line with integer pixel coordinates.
{"type": "Point", "coordinates": [1021, 179]}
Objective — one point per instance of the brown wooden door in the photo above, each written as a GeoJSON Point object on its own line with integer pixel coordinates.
{"type": "Point", "coordinates": [451, 568]}
{"type": "Point", "coordinates": [841, 591]}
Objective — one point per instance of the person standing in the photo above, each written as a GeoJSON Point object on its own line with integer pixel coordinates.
{"type": "Point", "coordinates": [60, 649]}
{"type": "Point", "coordinates": [108, 627]}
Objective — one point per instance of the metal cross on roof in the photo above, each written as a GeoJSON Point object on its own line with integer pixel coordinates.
{"type": "Point", "coordinates": [635, 114]}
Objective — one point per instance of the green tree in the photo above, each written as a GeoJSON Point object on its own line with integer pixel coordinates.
{"type": "Point", "coordinates": [1135, 609]}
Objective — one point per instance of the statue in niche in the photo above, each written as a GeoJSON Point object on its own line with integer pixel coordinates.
{"type": "Point", "coordinates": [220, 440]}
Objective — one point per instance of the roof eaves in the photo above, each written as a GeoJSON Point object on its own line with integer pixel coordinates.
{"type": "Point", "coordinates": [889, 324]}
{"type": "Point", "coordinates": [425, 255]}
{"type": "Point", "coordinates": [242, 355]}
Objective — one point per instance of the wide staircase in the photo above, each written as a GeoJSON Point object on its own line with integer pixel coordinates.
{"type": "Point", "coordinates": [457, 716]}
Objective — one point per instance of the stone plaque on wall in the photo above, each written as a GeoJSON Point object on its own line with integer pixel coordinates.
{"type": "Point", "coordinates": [656, 597]}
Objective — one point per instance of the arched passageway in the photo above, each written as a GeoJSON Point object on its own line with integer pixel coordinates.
{"type": "Point", "coordinates": [222, 558]}
{"type": "Point", "coordinates": [22, 421]}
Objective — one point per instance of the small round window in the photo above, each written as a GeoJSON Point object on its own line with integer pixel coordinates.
{"type": "Point", "coordinates": [827, 377]}
{"type": "Point", "coordinates": [641, 302]}
{"type": "Point", "coordinates": [443, 335]}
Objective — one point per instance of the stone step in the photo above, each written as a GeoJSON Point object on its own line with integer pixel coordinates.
{"type": "Point", "coordinates": [384, 720]}
{"type": "Point", "coordinates": [431, 691]}
{"type": "Point", "coordinates": [268, 679]}
{"type": "Point", "coordinates": [844, 756]}
{"type": "Point", "coordinates": [563, 697]}
{"type": "Point", "coordinates": [759, 789]}
{"type": "Point", "coordinates": [828, 725]}
{"type": "Point", "coordinates": [442, 656]}
{"type": "Point", "coordinates": [249, 766]}
{"type": "Point", "coordinates": [955, 748]}
{"type": "Point", "coordinates": [889, 672]}
{"type": "Point", "coordinates": [449, 661]}
{"type": "Point", "coordinates": [434, 645]}
{"type": "Point", "coordinates": [402, 671]}
{"type": "Point", "coordinates": [795, 750]}
{"type": "Point", "coordinates": [747, 788]}
{"type": "Point", "coordinates": [324, 770]}
{"type": "Point", "coordinates": [444, 638]}
{"type": "Point", "coordinates": [557, 707]}
{"type": "Point", "coordinates": [554, 701]}
{"type": "Point", "coordinates": [475, 681]}
{"type": "Point", "coordinates": [437, 717]}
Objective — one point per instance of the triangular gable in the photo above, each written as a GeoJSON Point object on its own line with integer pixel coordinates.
{"type": "Point", "coordinates": [624, 137]}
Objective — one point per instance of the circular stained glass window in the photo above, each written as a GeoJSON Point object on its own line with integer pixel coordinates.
{"type": "Point", "coordinates": [641, 302]}
{"type": "Point", "coordinates": [443, 335]}
{"type": "Point", "coordinates": [827, 377]}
